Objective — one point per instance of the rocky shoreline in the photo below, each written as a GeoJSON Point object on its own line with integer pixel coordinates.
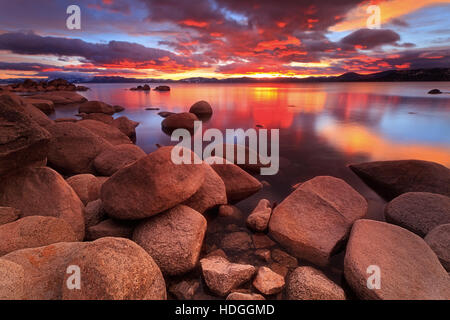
{"type": "Point", "coordinates": [79, 192]}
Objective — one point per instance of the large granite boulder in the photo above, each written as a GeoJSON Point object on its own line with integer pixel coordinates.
{"type": "Point", "coordinates": [8, 214]}
{"type": "Point", "coordinates": [201, 109]}
{"type": "Point", "coordinates": [73, 148]}
{"type": "Point", "coordinates": [86, 186]}
{"type": "Point", "coordinates": [409, 269]}
{"type": "Point", "coordinates": [393, 178]}
{"type": "Point", "coordinates": [34, 231]}
{"type": "Point", "coordinates": [96, 107]}
{"type": "Point", "coordinates": [439, 241]}
{"type": "Point", "coordinates": [45, 106]}
{"type": "Point", "coordinates": [107, 132]}
{"type": "Point", "coordinates": [174, 239]}
{"type": "Point", "coordinates": [113, 159]}
{"type": "Point", "coordinates": [23, 142]}
{"type": "Point", "coordinates": [42, 191]}
{"type": "Point", "coordinates": [419, 212]}
{"type": "Point", "coordinates": [150, 185]}
{"type": "Point", "coordinates": [184, 120]}
{"type": "Point", "coordinates": [12, 279]}
{"type": "Point", "coordinates": [315, 219]}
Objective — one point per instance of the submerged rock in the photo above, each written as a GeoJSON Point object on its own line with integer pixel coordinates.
{"type": "Point", "coordinates": [439, 241]}
{"type": "Point", "coordinates": [113, 159]}
{"type": "Point", "coordinates": [308, 283]}
{"type": "Point", "coordinates": [314, 220]}
{"type": "Point", "coordinates": [47, 194]}
{"type": "Point", "coordinates": [268, 282]}
{"type": "Point", "coordinates": [150, 185]}
{"type": "Point", "coordinates": [419, 212]}
{"type": "Point", "coordinates": [174, 239]}
{"type": "Point", "coordinates": [34, 231]}
{"type": "Point", "coordinates": [393, 178]}
{"type": "Point", "coordinates": [212, 192]}
{"type": "Point", "coordinates": [258, 220]}
{"type": "Point", "coordinates": [238, 183]}
{"type": "Point", "coordinates": [409, 269]}
{"type": "Point", "coordinates": [222, 277]}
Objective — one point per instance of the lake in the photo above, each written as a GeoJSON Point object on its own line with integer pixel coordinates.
{"type": "Point", "coordinates": [323, 127]}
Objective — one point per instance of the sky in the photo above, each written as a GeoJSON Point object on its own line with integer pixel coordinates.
{"type": "Point", "coordinates": [175, 39]}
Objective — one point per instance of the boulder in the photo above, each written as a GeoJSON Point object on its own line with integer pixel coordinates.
{"type": "Point", "coordinates": [108, 132]}
{"type": "Point", "coordinates": [268, 282]}
{"type": "Point", "coordinates": [260, 241]}
{"type": "Point", "coordinates": [12, 280]}
{"type": "Point", "coordinates": [284, 258]}
{"type": "Point", "coordinates": [419, 212]}
{"type": "Point", "coordinates": [165, 114]}
{"type": "Point", "coordinates": [73, 148]}
{"type": "Point", "coordinates": [393, 178]}
{"type": "Point", "coordinates": [409, 269]}
{"type": "Point", "coordinates": [150, 185]}
{"type": "Point", "coordinates": [201, 109]}
{"type": "Point", "coordinates": [86, 186]}
{"type": "Point", "coordinates": [184, 120]}
{"type": "Point", "coordinates": [8, 214]}
{"type": "Point", "coordinates": [174, 239]}
{"type": "Point", "coordinates": [315, 219]}
{"type": "Point", "coordinates": [162, 88]}
{"type": "Point", "coordinates": [238, 183]}
{"type": "Point", "coordinates": [118, 109]}
{"type": "Point", "coordinates": [102, 117]}
{"type": "Point", "coordinates": [42, 191]}
{"type": "Point", "coordinates": [212, 192]}
{"type": "Point", "coordinates": [93, 213]}
{"type": "Point", "coordinates": [439, 241]}
{"type": "Point", "coordinates": [258, 220]}
{"type": "Point", "coordinates": [236, 241]}
{"type": "Point", "coordinates": [434, 91]}
{"type": "Point", "coordinates": [113, 159]}
{"type": "Point", "coordinates": [184, 290]}
{"type": "Point", "coordinates": [45, 106]}
{"type": "Point", "coordinates": [34, 231]}
{"type": "Point", "coordinates": [60, 97]}
{"type": "Point", "coordinates": [96, 107]}
{"type": "Point", "coordinates": [244, 157]}
{"type": "Point", "coordinates": [308, 283]}
{"type": "Point", "coordinates": [110, 228]}
{"type": "Point", "coordinates": [222, 276]}
{"type": "Point", "coordinates": [244, 296]}
{"type": "Point", "coordinates": [126, 126]}
{"type": "Point", "coordinates": [22, 141]}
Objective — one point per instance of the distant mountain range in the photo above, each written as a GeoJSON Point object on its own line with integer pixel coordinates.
{"type": "Point", "coordinates": [436, 74]}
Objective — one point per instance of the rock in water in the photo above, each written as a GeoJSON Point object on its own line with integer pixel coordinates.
{"type": "Point", "coordinates": [307, 283]}
{"type": "Point", "coordinates": [126, 126]}
{"type": "Point", "coordinates": [150, 185]}
{"type": "Point", "coordinates": [73, 148]}
{"type": "Point", "coordinates": [184, 120]}
{"type": "Point", "coordinates": [258, 220]}
{"type": "Point", "coordinates": [34, 231]}
{"type": "Point", "coordinates": [86, 186]}
{"type": "Point", "coordinates": [439, 241]}
{"type": "Point", "coordinates": [238, 183]}
{"type": "Point", "coordinates": [12, 280]}
{"type": "Point", "coordinates": [107, 132]}
{"type": "Point", "coordinates": [392, 178]}
{"type": "Point", "coordinates": [409, 269]}
{"type": "Point", "coordinates": [268, 282]}
{"type": "Point", "coordinates": [105, 118]}
{"type": "Point", "coordinates": [162, 88]}
{"type": "Point", "coordinates": [45, 106]}
{"type": "Point", "coordinates": [316, 218]}
{"type": "Point", "coordinates": [22, 141]}
{"type": "Point", "coordinates": [8, 214]}
{"type": "Point", "coordinates": [174, 239]}
{"type": "Point", "coordinates": [222, 277]}
{"type": "Point", "coordinates": [434, 91]}
{"type": "Point", "coordinates": [46, 194]}
{"type": "Point", "coordinates": [201, 109]}
{"type": "Point", "coordinates": [212, 193]}
{"type": "Point", "coordinates": [419, 212]}
{"type": "Point", "coordinates": [112, 160]}
{"type": "Point", "coordinates": [96, 107]}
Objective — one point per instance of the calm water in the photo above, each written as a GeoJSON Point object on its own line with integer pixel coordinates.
{"type": "Point", "coordinates": [323, 128]}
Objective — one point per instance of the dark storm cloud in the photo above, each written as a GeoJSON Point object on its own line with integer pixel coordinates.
{"type": "Point", "coordinates": [371, 38]}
